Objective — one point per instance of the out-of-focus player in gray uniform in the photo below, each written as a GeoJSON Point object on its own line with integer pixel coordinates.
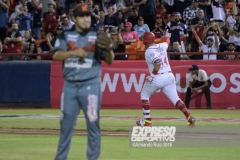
{"type": "Point", "coordinates": [81, 51]}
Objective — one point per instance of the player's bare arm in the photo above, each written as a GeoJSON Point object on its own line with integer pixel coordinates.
{"type": "Point", "coordinates": [61, 55]}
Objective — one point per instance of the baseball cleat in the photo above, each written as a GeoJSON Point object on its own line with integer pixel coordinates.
{"type": "Point", "coordinates": [144, 122]}
{"type": "Point", "coordinates": [191, 121]}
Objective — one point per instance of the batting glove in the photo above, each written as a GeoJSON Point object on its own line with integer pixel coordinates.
{"type": "Point", "coordinates": [150, 78]}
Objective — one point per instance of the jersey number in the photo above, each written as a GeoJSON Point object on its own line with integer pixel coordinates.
{"type": "Point", "coordinates": [164, 62]}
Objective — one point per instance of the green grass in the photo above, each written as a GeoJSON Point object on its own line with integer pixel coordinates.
{"type": "Point", "coordinates": [155, 112]}
{"type": "Point", "coordinates": [43, 147]}
{"type": "Point", "coordinates": [114, 124]}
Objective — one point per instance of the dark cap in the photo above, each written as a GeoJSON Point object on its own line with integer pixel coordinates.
{"type": "Point", "coordinates": [194, 67]}
{"type": "Point", "coordinates": [210, 38]}
{"type": "Point", "coordinates": [81, 10]}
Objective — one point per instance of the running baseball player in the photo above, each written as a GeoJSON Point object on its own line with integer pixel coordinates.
{"type": "Point", "coordinates": [161, 77]}
{"type": "Point", "coordinates": [81, 51]}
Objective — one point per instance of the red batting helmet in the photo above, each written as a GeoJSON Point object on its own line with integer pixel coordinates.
{"type": "Point", "coordinates": [148, 38]}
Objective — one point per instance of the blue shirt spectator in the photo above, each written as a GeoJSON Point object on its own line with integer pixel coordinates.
{"type": "Point", "coordinates": [24, 20]}
{"type": "Point", "coordinates": [141, 28]}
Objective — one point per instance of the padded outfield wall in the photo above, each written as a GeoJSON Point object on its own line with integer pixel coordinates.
{"type": "Point", "coordinates": [122, 83]}
{"type": "Point", "coordinates": [39, 84]}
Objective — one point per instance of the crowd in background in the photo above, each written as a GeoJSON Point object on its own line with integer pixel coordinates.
{"type": "Point", "coordinates": [32, 26]}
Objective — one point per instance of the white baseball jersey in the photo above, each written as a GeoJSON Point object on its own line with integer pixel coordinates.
{"type": "Point", "coordinates": [165, 79]}
{"type": "Point", "coordinates": [158, 54]}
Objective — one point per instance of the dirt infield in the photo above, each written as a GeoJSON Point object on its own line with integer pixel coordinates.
{"type": "Point", "coordinates": [117, 133]}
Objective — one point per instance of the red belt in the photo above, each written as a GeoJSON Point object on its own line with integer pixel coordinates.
{"type": "Point", "coordinates": [166, 72]}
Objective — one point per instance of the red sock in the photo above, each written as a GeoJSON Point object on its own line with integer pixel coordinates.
{"type": "Point", "coordinates": [146, 109]}
{"type": "Point", "coordinates": [180, 104]}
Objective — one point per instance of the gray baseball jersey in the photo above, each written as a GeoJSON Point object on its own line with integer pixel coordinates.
{"type": "Point", "coordinates": [72, 69]}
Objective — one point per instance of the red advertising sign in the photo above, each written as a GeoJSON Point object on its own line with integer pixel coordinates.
{"type": "Point", "coordinates": [123, 80]}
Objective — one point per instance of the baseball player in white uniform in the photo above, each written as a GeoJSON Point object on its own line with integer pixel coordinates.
{"type": "Point", "coordinates": [161, 77]}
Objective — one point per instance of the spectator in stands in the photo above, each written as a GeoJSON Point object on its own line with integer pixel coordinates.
{"type": "Point", "coordinates": [140, 27]}
{"type": "Point", "coordinates": [205, 5]}
{"type": "Point", "coordinates": [101, 21]}
{"type": "Point", "coordinates": [32, 49]}
{"type": "Point", "coordinates": [231, 48]}
{"type": "Point", "coordinates": [128, 10]}
{"type": "Point", "coordinates": [147, 10]}
{"type": "Point", "coordinates": [45, 5]}
{"type": "Point", "coordinates": [61, 6]}
{"type": "Point", "coordinates": [36, 11]}
{"type": "Point", "coordinates": [223, 42]}
{"type": "Point", "coordinates": [218, 11]}
{"type": "Point", "coordinates": [27, 39]}
{"type": "Point", "coordinates": [23, 3]}
{"type": "Point", "coordinates": [191, 47]}
{"type": "Point", "coordinates": [47, 46]}
{"type": "Point", "coordinates": [177, 29]}
{"type": "Point", "coordinates": [122, 4]}
{"type": "Point", "coordinates": [110, 20]}
{"type": "Point", "coordinates": [212, 46]}
{"type": "Point", "coordinates": [129, 35]}
{"type": "Point", "coordinates": [190, 13]}
{"type": "Point", "coordinates": [159, 27]}
{"type": "Point", "coordinates": [50, 20]}
{"type": "Point", "coordinates": [94, 16]}
{"type": "Point", "coordinates": [4, 8]}
{"type": "Point", "coordinates": [235, 33]}
{"type": "Point", "coordinates": [24, 20]}
{"type": "Point", "coordinates": [175, 48]}
{"type": "Point", "coordinates": [66, 23]}
{"type": "Point", "coordinates": [107, 3]}
{"type": "Point", "coordinates": [212, 28]}
{"type": "Point", "coordinates": [121, 18]}
{"type": "Point", "coordinates": [59, 32]}
{"type": "Point", "coordinates": [96, 6]}
{"type": "Point", "coordinates": [199, 24]}
{"type": "Point", "coordinates": [14, 42]}
{"type": "Point", "coordinates": [70, 14]}
{"type": "Point", "coordinates": [14, 15]}
{"type": "Point", "coordinates": [134, 18]}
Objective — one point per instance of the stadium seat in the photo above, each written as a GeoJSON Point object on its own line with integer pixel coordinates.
{"type": "Point", "coordinates": [131, 50]}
